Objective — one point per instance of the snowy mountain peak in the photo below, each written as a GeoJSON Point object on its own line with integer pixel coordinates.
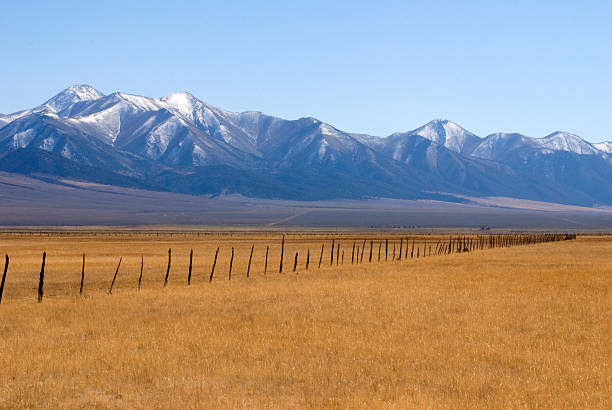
{"type": "Point", "coordinates": [564, 141]}
{"type": "Point", "coordinates": [440, 121]}
{"type": "Point", "coordinates": [72, 95]}
{"type": "Point", "coordinates": [438, 129]}
{"type": "Point", "coordinates": [448, 134]}
{"type": "Point", "coordinates": [185, 103]}
{"type": "Point", "coordinates": [182, 97]}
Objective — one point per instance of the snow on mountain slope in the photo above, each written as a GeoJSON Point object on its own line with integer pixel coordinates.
{"type": "Point", "coordinates": [7, 119]}
{"type": "Point", "coordinates": [59, 102]}
{"type": "Point", "coordinates": [106, 117]}
{"type": "Point", "coordinates": [367, 139]}
{"type": "Point", "coordinates": [496, 146]}
{"type": "Point", "coordinates": [446, 133]}
{"type": "Point", "coordinates": [188, 105]}
{"type": "Point", "coordinates": [563, 141]}
{"type": "Point", "coordinates": [72, 95]}
{"type": "Point", "coordinates": [120, 119]}
{"type": "Point", "coordinates": [147, 127]}
{"type": "Point", "coordinates": [605, 146]}
{"type": "Point", "coordinates": [174, 134]}
{"type": "Point", "coordinates": [214, 122]}
{"type": "Point", "coordinates": [263, 135]}
{"type": "Point", "coordinates": [306, 141]}
{"type": "Point", "coordinates": [500, 146]}
{"type": "Point", "coordinates": [49, 132]}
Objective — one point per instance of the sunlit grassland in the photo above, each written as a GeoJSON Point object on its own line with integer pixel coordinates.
{"type": "Point", "coordinates": [516, 327]}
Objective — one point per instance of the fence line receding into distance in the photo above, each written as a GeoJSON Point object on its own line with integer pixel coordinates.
{"type": "Point", "coordinates": [452, 245]}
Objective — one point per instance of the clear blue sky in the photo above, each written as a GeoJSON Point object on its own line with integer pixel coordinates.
{"type": "Point", "coordinates": [374, 67]}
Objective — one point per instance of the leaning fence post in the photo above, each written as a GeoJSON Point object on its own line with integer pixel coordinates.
{"type": "Point", "coordinates": [371, 244]}
{"type": "Point", "coordinates": [168, 270]}
{"type": "Point", "coordinates": [141, 266]}
{"type": "Point", "coordinates": [6, 263]}
{"type": "Point", "coordinates": [353, 254]}
{"type": "Point", "coordinates": [331, 261]}
{"type": "Point", "coordinates": [250, 257]}
{"type": "Point", "coordinates": [212, 272]}
{"type": "Point", "coordinates": [190, 265]}
{"type": "Point", "coordinates": [307, 259]}
{"type": "Point", "coordinates": [230, 267]}
{"type": "Point", "coordinates": [321, 257]}
{"type": "Point", "coordinates": [82, 276]}
{"type": "Point", "coordinates": [110, 290]}
{"type": "Point", "coordinates": [41, 279]}
{"type": "Point", "coordinates": [362, 250]}
{"type": "Point", "coordinates": [266, 264]}
{"type": "Point", "coordinates": [295, 262]}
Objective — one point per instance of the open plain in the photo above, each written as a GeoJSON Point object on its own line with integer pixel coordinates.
{"type": "Point", "coordinates": [521, 327]}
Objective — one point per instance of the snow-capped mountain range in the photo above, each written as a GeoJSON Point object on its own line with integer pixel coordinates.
{"type": "Point", "coordinates": [179, 143]}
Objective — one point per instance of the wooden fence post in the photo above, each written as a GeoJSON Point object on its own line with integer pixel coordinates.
{"type": "Point", "coordinates": [353, 254]}
{"type": "Point", "coordinates": [337, 253]}
{"type": "Point", "coordinates": [212, 271]}
{"type": "Point", "coordinates": [41, 279]}
{"type": "Point", "coordinates": [321, 257]}
{"type": "Point", "coordinates": [266, 264]}
{"type": "Point", "coordinates": [280, 269]}
{"type": "Point", "coordinates": [307, 259]}
{"type": "Point", "coordinates": [250, 258]}
{"type": "Point", "coordinates": [82, 276]}
{"type": "Point", "coordinates": [371, 244]}
{"type": "Point", "coordinates": [141, 267]}
{"type": "Point", "coordinates": [231, 263]}
{"type": "Point", "coordinates": [401, 248]}
{"type": "Point", "coordinates": [386, 249]}
{"type": "Point", "coordinates": [190, 265]}
{"type": "Point", "coordinates": [331, 261]}
{"type": "Point", "coordinates": [6, 263]}
{"type": "Point", "coordinates": [362, 250]}
{"type": "Point", "coordinates": [295, 262]}
{"type": "Point", "coordinates": [379, 246]}
{"type": "Point", "coordinates": [168, 269]}
{"type": "Point", "coordinates": [110, 290]}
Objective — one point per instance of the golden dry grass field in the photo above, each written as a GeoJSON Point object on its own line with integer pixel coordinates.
{"type": "Point", "coordinates": [522, 327]}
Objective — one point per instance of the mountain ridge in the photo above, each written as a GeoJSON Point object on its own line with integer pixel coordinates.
{"type": "Point", "coordinates": [178, 142]}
